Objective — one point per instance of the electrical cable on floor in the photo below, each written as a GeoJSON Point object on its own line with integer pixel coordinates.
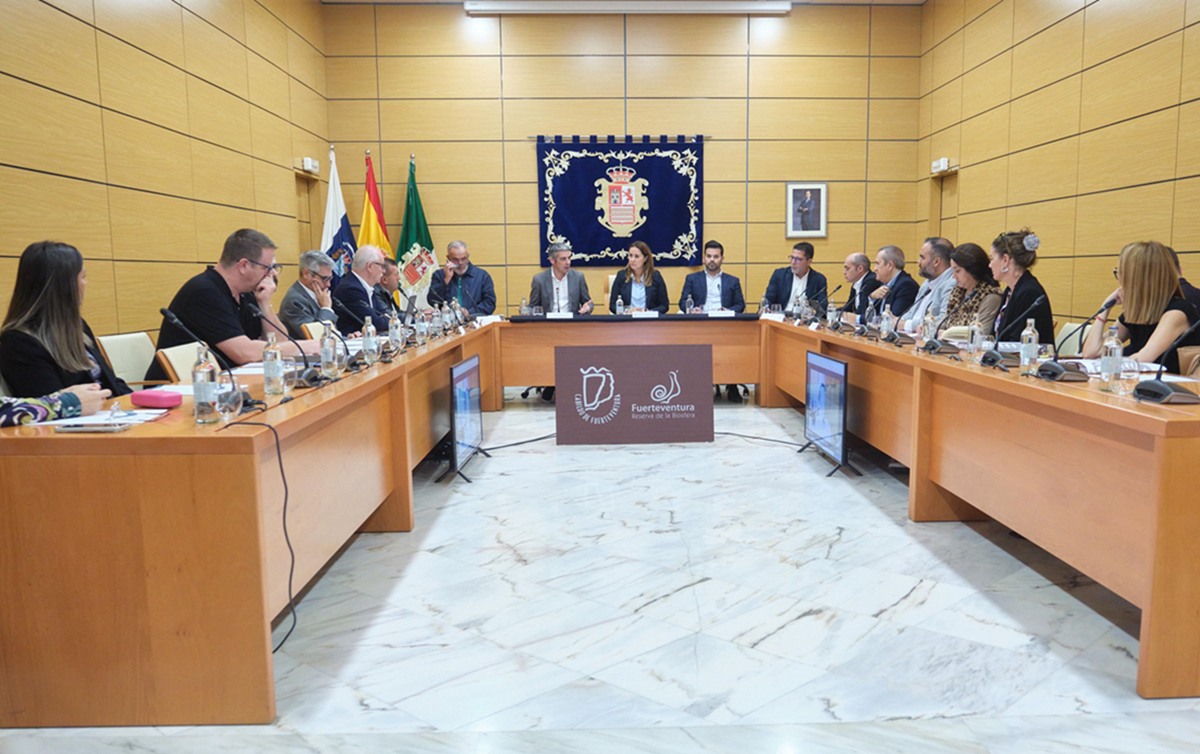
{"type": "Point", "coordinates": [764, 439]}
{"type": "Point", "coordinates": [522, 442]}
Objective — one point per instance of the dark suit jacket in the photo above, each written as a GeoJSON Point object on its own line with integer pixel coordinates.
{"type": "Point", "coordinates": [353, 295]}
{"type": "Point", "coordinates": [869, 284]}
{"type": "Point", "coordinates": [384, 302]}
{"type": "Point", "coordinates": [32, 372]}
{"type": "Point", "coordinates": [816, 288]}
{"type": "Point", "coordinates": [902, 292]}
{"type": "Point", "coordinates": [1020, 298]}
{"type": "Point", "coordinates": [696, 286]}
{"type": "Point", "coordinates": [479, 291]}
{"type": "Point", "coordinates": [657, 299]}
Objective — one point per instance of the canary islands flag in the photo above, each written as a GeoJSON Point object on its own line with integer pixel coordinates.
{"type": "Point", "coordinates": [337, 240]}
{"type": "Point", "coordinates": [373, 230]}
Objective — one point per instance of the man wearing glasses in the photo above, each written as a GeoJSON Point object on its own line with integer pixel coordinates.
{"type": "Point", "coordinates": [212, 304]}
{"type": "Point", "coordinates": [309, 300]}
{"type": "Point", "coordinates": [356, 292]}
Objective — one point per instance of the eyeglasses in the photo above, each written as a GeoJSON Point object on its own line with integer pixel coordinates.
{"type": "Point", "coordinates": [272, 267]}
{"type": "Point", "coordinates": [1118, 277]}
{"type": "Point", "coordinates": [797, 259]}
{"type": "Point", "coordinates": [323, 278]}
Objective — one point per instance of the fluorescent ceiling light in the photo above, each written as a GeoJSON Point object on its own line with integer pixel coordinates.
{"type": "Point", "coordinates": [559, 7]}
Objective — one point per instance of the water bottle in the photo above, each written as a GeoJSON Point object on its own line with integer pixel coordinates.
{"type": "Point", "coordinates": [764, 306]}
{"type": "Point", "coordinates": [204, 387]}
{"type": "Point", "coordinates": [887, 324]}
{"type": "Point", "coordinates": [435, 324]}
{"type": "Point", "coordinates": [1110, 361]}
{"type": "Point", "coordinates": [422, 329]}
{"type": "Point", "coordinates": [272, 367]}
{"type": "Point", "coordinates": [395, 333]}
{"type": "Point", "coordinates": [329, 367]}
{"type": "Point", "coordinates": [525, 310]}
{"type": "Point", "coordinates": [1029, 349]}
{"type": "Point", "coordinates": [975, 340]}
{"type": "Point", "coordinates": [620, 305]}
{"type": "Point", "coordinates": [688, 305]}
{"type": "Point", "coordinates": [370, 343]}
{"type": "Point", "coordinates": [448, 322]}
{"type": "Point", "coordinates": [831, 313]}
{"type": "Point", "coordinates": [928, 328]}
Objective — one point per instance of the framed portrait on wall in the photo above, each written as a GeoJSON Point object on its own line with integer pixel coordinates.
{"type": "Point", "coordinates": [806, 210]}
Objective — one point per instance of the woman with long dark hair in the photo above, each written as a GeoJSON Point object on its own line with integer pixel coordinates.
{"type": "Point", "coordinates": [45, 346]}
{"type": "Point", "coordinates": [976, 296]}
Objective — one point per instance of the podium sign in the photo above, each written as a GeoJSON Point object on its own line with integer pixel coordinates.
{"type": "Point", "coordinates": [609, 395]}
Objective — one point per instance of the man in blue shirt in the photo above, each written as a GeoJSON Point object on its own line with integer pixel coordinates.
{"type": "Point", "coordinates": [471, 286]}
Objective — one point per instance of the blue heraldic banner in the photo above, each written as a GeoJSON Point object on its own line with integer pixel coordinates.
{"type": "Point", "coordinates": [600, 195]}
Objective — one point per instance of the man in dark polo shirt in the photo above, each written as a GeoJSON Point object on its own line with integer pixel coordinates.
{"type": "Point", "coordinates": [212, 305]}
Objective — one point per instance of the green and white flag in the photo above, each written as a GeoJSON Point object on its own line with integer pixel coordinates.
{"type": "Point", "coordinates": [414, 247]}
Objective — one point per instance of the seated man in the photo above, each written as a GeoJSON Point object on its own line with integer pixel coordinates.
{"type": "Point", "coordinates": [212, 305]}
{"type": "Point", "coordinates": [789, 284]}
{"type": "Point", "coordinates": [356, 292]}
{"type": "Point", "coordinates": [899, 290]}
{"type": "Point", "coordinates": [471, 286]}
{"type": "Point", "coordinates": [308, 299]}
{"type": "Point", "coordinates": [857, 271]}
{"type": "Point", "coordinates": [934, 265]}
{"type": "Point", "coordinates": [711, 291]}
{"type": "Point", "coordinates": [385, 291]}
{"type": "Point", "coordinates": [560, 289]}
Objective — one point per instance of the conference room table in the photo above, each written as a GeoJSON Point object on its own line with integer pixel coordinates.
{"type": "Point", "coordinates": [140, 572]}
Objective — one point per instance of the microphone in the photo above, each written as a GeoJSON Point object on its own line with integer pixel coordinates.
{"type": "Point", "coordinates": [994, 358]}
{"type": "Point", "coordinates": [474, 303]}
{"type": "Point", "coordinates": [1158, 391]}
{"type": "Point", "coordinates": [174, 320]}
{"type": "Point", "coordinates": [1056, 372]}
{"type": "Point", "coordinates": [309, 377]}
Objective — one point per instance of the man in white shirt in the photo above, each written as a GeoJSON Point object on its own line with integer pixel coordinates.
{"type": "Point", "coordinates": [798, 280]}
{"type": "Point", "coordinates": [857, 271]}
{"type": "Point", "coordinates": [560, 289]}
{"type": "Point", "coordinates": [934, 265]}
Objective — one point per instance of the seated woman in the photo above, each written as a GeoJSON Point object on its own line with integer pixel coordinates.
{"type": "Point", "coordinates": [638, 285]}
{"type": "Point", "coordinates": [80, 400]}
{"type": "Point", "coordinates": [976, 295]}
{"type": "Point", "coordinates": [45, 346]}
{"type": "Point", "coordinates": [1013, 254]}
{"type": "Point", "coordinates": [1154, 311]}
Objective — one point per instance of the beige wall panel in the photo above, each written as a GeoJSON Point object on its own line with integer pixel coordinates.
{"type": "Point", "coordinates": [768, 244]}
{"type": "Point", "coordinates": [1188, 161]}
{"type": "Point", "coordinates": [563, 35]}
{"type": "Point", "coordinates": [403, 120]}
{"type": "Point", "coordinates": [973, 9]}
{"type": "Point", "coordinates": [891, 202]}
{"type": "Point", "coordinates": [923, 190]}
{"type": "Point", "coordinates": [435, 30]}
{"type": "Point", "coordinates": [304, 62]}
{"type": "Point", "coordinates": [145, 287]}
{"type": "Point", "coordinates": [274, 189]}
{"type": "Point", "coordinates": [726, 202]}
{"type": "Point", "coordinates": [266, 34]}
{"type": "Point", "coordinates": [725, 160]}
{"type": "Point", "coordinates": [895, 31]}
{"type": "Point", "coordinates": [1032, 16]}
{"type": "Point", "coordinates": [308, 108]}
{"type": "Point", "coordinates": [1054, 223]}
{"type": "Point", "coordinates": [65, 138]}
{"type": "Point", "coordinates": [444, 162]}
{"type": "Point", "coordinates": [485, 242]}
{"type": "Point", "coordinates": [1093, 283]}
{"type": "Point", "coordinates": [979, 228]}
{"type": "Point", "coordinates": [817, 77]}
{"type": "Point", "coordinates": [1057, 276]}
{"type": "Point", "coordinates": [155, 26]}
{"type": "Point", "coordinates": [460, 77]}
{"type": "Point", "coordinates": [808, 119]}
{"type": "Point", "coordinates": [949, 199]}
{"type": "Point", "coordinates": [460, 203]}
{"type": "Point", "coordinates": [144, 156]}
{"type": "Point", "coordinates": [948, 17]}
{"type": "Point", "coordinates": [1125, 154]}
{"type": "Point", "coordinates": [302, 15]}
{"type": "Point", "coordinates": [926, 29]}
{"type": "Point", "coordinates": [222, 176]}
{"type": "Point", "coordinates": [518, 281]}
{"type": "Point", "coordinates": [925, 116]}
{"type": "Point", "coordinates": [812, 30]}
{"type": "Point", "coordinates": [349, 29]}
{"type": "Point", "coordinates": [877, 236]}
{"type": "Point", "coordinates": [271, 138]}
{"type": "Point", "coordinates": [947, 105]}
{"type": "Point", "coordinates": [719, 119]}
{"type": "Point", "coordinates": [768, 203]}
{"type": "Point", "coordinates": [520, 203]}
{"type": "Point", "coordinates": [217, 116]}
{"type": "Point", "coordinates": [281, 230]}
{"type": "Point", "coordinates": [893, 119]}
{"type": "Point", "coordinates": [809, 160]}
{"type": "Point", "coordinates": [33, 38]}
{"type": "Point", "coordinates": [983, 186]}
{"type": "Point", "coordinates": [685, 76]}
{"type": "Point", "coordinates": [582, 117]}
{"type": "Point", "coordinates": [352, 78]}
{"type": "Point", "coordinates": [305, 144]}
{"type": "Point", "coordinates": [1116, 26]}
{"type": "Point", "coordinates": [355, 120]}
{"type": "Point", "coordinates": [520, 161]}
{"type": "Point", "coordinates": [754, 285]}
{"type": "Point", "coordinates": [523, 244]}
{"type": "Point", "coordinates": [1185, 235]}
{"type": "Point", "coordinates": [1042, 173]}
{"type": "Point", "coordinates": [1191, 62]}
{"type": "Point", "coordinates": [214, 224]}
{"type": "Point", "coordinates": [685, 35]}
{"type": "Point", "coordinates": [213, 56]}
{"type": "Point", "coordinates": [892, 77]}
{"type": "Point", "coordinates": [1106, 222]}
{"type": "Point", "coordinates": [985, 136]}
{"type": "Point", "coordinates": [153, 228]}
{"type": "Point", "coordinates": [553, 76]}
{"type": "Point", "coordinates": [269, 87]}
{"type": "Point", "coordinates": [1144, 80]}
{"type": "Point", "coordinates": [946, 144]}
{"type": "Point", "coordinates": [987, 86]}
{"type": "Point", "coordinates": [78, 8]}
{"type": "Point", "coordinates": [948, 60]}
{"type": "Point", "coordinates": [100, 304]}
{"type": "Point", "coordinates": [989, 35]}
{"type": "Point", "coordinates": [1052, 55]}
{"type": "Point", "coordinates": [1045, 115]}
{"type": "Point", "coordinates": [35, 207]}
{"type": "Point", "coordinates": [926, 74]}
{"type": "Point", "coordinates": [227, 15]}
{"type": "Point", "coordinates": [140, 85]}
{"type": "Point", "coordinates": [891, 160]}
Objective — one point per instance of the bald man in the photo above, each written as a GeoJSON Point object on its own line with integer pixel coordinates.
{"type": "Point", "coordinates": [356, 291]}
{"type": "Point", "coordinates": [857, 271]}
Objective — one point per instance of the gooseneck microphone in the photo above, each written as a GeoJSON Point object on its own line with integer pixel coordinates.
{"type": "Point", "coordinates": [1040, 300]}
{"type": "Point", "coordinates": [994, 358]}
{"type": "Point", "coordinates": [309, 377]}
{"type": "Point", "coordinates": [169, 315]}
{"type": "Point", "coordinates": [1159, 391]}
{"type": "Point", "coordinates": [1057, 372]}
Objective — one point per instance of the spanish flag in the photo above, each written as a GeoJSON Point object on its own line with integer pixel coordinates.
{"type": "Point", "coordinates": [373, 230]}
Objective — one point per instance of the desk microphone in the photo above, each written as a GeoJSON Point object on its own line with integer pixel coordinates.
{"type": "Point", "coordinates": [352, 361]}
{"type": "Point", "coordinates": [1056, 372]}
{"type": "Point", "coordinates": [169, 315]}
{"type": "Point", "coordinates": [1158, 391]}
{"type": "Point", "coordinates": [993, 357]}
{"type": "Point", "coordinates": [309, 377]}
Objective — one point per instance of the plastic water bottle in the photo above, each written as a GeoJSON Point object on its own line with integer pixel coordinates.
{"type": "Point", "coordinates": [887, 325]}
{"type": "Point", "coordinates": [620, 306]}
{"type": "Point", "coordinates": [329, 366]}
{"type": "Point", "coordinates": [447, 319]}
{"type": "Point", "coordinates": [395, 333]}
{"type": "Point", "coordinates": [1110, 361]}
{"type": "Point", "coordinates": [688, 305]}
{"type": "Point", "coordinates": [928, 328]}
{"type": "Point", "coordinates": [975, 340]}
{"type": "Point", "coordinates": [370, 343]}
{"type": "Point", "coordinates": [764, 306]}
{"type": "Point", "coordinates": [272, 367]}
{"type": "Point", "coordinates": [1029, 348]}
{"type": "Point", "coordinates": [204, 387]}
{"type": "Point", "coordinates": [422, 329]}
{"type": "Point", "coordinates": [435, 324]}
{"type": "Point", "coordinates": [831, 313]}
{"type": "Point", "coordinates": [525, 310]}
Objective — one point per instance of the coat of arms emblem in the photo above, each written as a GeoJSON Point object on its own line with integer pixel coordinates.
{"type": "Point", "coordinates": [622, 201]}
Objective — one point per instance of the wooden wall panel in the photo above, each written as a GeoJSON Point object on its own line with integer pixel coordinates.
{"type": "Point", "coordinates": [138, 84]}
{"type": "Point", "coordinates": [434, 30]}
{"type": "Point", "coordinates": [151, 227]}
{"type": "Point", "coordinates": [37, 207]}
{"type": "Point", "coordinates": [33, 37]}
{"type": "Point", "coordinates": [561, 76]}
{"type": "Point", "coordinates": [686, 35]}
{"type": "Point", "coordinates": [431, 78]}
{"type": "Point", "coordinates": [1117, 26]}
{"type": "Point", "coordinates": [1144, 80]}
{"type": "Point", "coordinates": [570, 35]}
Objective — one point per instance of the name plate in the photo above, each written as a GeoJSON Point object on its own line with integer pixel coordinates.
{"type": "Point", "coordinates": [559, 315]}
{"type": "Point", "coordinates": [771, 317]}
{"type": "Point", "coordinates": [644, 315]}
{"type": "Point", "coordinates": [722, 313]}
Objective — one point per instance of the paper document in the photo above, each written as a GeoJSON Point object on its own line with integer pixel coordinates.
{"type": "Point", "coordinates": [106, 417]}
{"type": "Point", "coordinates": [559, 315]}
{"type": "Point", "coordinates": [722, 313]}
{"type": "Point", "coordinates": [771, 317]}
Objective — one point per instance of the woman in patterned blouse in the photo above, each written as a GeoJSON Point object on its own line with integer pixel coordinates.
{"type": "Point", "coordinates": [80, 400]}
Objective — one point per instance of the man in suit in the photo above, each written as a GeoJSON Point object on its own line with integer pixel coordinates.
{"type": "Point", "coordinates": [356, 291]}
{"type": "Point", "coordinates": [899, 290]}
{"type": "Point", "coordinates": [560, 289]}
{"type": "Point", "coordinates": [713, 290]}
{"type": "Point", "coordinates": [934, 265]}
{"type": "Point", "coordinates": [807, 209]}
{"type": "Point", "coordinates": [788, 284]}
{"type": "Point", "coordinates": [385, 291]}
{"type": "Point", "coordinates": [857, 271]}
{"type": "Point", "coordinates": [308, 299]}
{"type": "Point", "coordinates": [472, 286]}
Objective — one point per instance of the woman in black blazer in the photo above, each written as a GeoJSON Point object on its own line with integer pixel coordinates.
{"type": "Point", "coordinates": [631, 287]}
{"type": "Point", "coordinates": [45, 346]}
{"type": "Point", "coordinates": [1012, 256]}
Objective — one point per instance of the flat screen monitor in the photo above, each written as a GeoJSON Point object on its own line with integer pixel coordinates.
{"type": "Point", "coordinates": [825, 406]}
{"type": "Point", "coordinates": [466, 433]}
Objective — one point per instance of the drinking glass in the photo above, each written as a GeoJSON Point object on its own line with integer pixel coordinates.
{"type": "Point", "coordinates": [1131, 374]}
{"type": "Point", "coordinates": [538, 311]}
{"type": "Point", "coordinates": [340, 356]}
{"type": "Point", "coordinates": [229, 397]}
{"type": "Point", "coordinates": [289, 375]}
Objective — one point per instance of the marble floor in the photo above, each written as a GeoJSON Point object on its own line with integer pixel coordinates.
{"type": "Point", "coordinates": [700, 598]}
